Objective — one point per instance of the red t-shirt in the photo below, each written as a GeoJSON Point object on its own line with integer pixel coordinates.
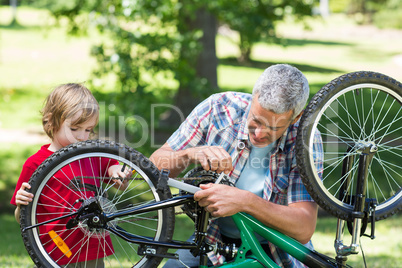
{"type": "Point", "coordinates": [29, 167]}
{"type": "Point", "coordinates": [59, 197]}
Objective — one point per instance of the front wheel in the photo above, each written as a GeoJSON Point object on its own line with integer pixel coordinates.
{"type": "Point", "coordinates": [352, 113]}
{"type": "Point", "coordinates": [77, 177]}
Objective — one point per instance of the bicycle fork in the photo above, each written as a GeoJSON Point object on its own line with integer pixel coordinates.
{"type": "Point", "coordinates": [367, 152]}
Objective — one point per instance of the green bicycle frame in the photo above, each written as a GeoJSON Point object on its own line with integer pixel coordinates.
{"type": "Point", "coordinates": [247, 225]}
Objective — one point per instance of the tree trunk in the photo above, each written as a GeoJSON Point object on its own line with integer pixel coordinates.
{"type": "Point", "coordinates": [324, 8]}
{"type": "Point", "coordinates": [205, 67]}
{"type": "Point", "coordinates": [13, 5]}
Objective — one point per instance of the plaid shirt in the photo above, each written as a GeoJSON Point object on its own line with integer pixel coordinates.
{"type": "Point", "coordinates": [221, 120]}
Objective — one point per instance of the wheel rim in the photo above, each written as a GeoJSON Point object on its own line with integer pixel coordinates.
{"type": "Point", "coordinates": [377, 123]}
{"type": "Point", "coordinates": [151, 222]}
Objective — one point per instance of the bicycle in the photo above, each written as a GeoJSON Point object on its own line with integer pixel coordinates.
{"type": "Point", "coordinates": [136, 223]}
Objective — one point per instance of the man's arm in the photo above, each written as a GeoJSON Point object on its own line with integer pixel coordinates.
{"type": "Point", "coordinates": [209, 157]}
{"type": "Point", "coordinates": [297, 220]}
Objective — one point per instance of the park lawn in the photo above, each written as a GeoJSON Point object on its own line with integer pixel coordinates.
{"type": "Point", "coordinates": [384, 251]}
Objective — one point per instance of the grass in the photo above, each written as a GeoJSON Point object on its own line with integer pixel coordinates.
{"type": "Point", "coordinates": [13, 253]}
{"type": "Point", "coordinates": [384, 251]}
{"type": "Point", "coordinates": [34, 58]}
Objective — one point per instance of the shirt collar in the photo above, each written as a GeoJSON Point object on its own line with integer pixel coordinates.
{"type": "Point", "coordinates": [242, 135]}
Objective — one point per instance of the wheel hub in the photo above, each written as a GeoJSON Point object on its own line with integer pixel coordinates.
{"type": "Point", "coordinates": [93, 223]}
{"type": "Point", "coordinates": [366, 147]}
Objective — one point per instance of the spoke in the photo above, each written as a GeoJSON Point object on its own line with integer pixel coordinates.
{"type": "Point", "coordinates": [118, 200]}
{"type": "Point", "coordinates": [340, 118]}
{"type": "Point", "coordinates": [347, 109]}
{"type": "Point", "coordinates": [57, 202]}
{"type": "Point", "coordinates": [130, 197]}
{"type": "Point", "coordinates": [372, 133]}
{"type": "Point", "coordinates": [72, 172]}
{"type": "Point", "coordinates": [385, 134]}
{"type": "Point", "coordinates": [362, 133]}
{"type": "Point", "coordinates": [389, 126]}
{"type": "Point", "coordinates": [340, 139]}
{"type": "Point", "coordinates": [336, 135]}
{"type": "Point", "coordinates": [388, 177]}
{"type": "Point", "coordinates": [330, 172]}
{"type": "Point", "coordinates": [375, 187]}
{"type": "Point", "coordinates": [358, 117]}
{"type": "Point", "coordinates": [389, 164]}
{"type": "Point", "coordinates": [390, 151]}
{"type": "Point", "coordinates": [389, 134]}
{"type": "Point", "coordinates": [123, 248]}
{"type": "Point", "coordinates": [388, 148]}
{"type": "Point", "coordinates": [136, 217]}
{"type": "Point", "coordinates": [138, 225]}
{"type": "Point", "coordinates": [344, 181]}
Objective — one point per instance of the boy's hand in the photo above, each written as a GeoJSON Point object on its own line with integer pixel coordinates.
{"type": "Point", "coordinates": [116, 172]}
{"type": "Point", "coordinates": [23, 197]}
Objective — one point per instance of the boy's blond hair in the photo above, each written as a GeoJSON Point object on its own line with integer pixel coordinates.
{"type": "Point", "coordinates": [64, 102]}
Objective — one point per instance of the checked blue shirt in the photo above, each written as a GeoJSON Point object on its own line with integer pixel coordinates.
{"type": "Point", "coordinates": [221, 120]}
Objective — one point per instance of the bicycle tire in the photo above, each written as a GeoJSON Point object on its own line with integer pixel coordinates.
{"type": "Point", "coordinates": [53, 185]}
{"type": "Point", "coordinates": [354, 110]}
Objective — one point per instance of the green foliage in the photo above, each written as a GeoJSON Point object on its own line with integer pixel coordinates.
{"type": "Point", "coordinates": [338, 6]}
{"type": "Point", "coordinates": [12, 157]}
{"type": "Point", "coordinates": [256, 20]}
{"type": "Point", "coordinates": [150, 49]}
{"type": "Point", "coordinates": [390, 16]}
{"type": "Point", "coordinates": [147, 48]}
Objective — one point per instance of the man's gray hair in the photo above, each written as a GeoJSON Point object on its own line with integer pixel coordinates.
{"type": "Point", "coordinates": [282, 88]}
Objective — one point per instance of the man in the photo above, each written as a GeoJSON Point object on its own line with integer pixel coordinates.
{"type": "Point", "coordinates": [252, 139]}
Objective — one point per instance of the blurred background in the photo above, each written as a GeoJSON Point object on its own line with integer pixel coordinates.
{"type": "Point", "coordinates": [150, 62]}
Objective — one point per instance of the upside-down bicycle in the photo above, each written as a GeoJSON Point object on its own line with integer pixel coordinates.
{"type": "Point", "coordinates": [359, 118]}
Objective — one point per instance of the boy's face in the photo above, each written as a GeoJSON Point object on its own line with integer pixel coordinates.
{"type": "Point", "coordinates": [69, 133]}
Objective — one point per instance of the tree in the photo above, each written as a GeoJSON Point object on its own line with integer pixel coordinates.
{"type": "Point", "coordinates": [255, 20]}
{"type": "Point", "coordinates": [164, 51]}
{"type": "Point", "coordinates": [13, 5]}
{"type": "Point", "coordinates": [147, 45]}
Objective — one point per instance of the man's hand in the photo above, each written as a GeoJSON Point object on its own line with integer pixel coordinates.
{"type": "Point", "coordinates": [23, 197]}
{"type": "Point", "coordinates": [220, 200]}
{"type": "Point", "coordinates": [213, 158]}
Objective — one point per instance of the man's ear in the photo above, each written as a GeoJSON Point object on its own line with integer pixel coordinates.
{"type": "Point", "coordinates": [297, 117]}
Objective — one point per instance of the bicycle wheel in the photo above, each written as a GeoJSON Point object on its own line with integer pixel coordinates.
{"type": "Point", "coordinates": [354, 111]}
{"type": "Point", "coordinates": [75, 180]}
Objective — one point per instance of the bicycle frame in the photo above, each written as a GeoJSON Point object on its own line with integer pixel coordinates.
{"type": "Point", "coordinates": [246, 224]}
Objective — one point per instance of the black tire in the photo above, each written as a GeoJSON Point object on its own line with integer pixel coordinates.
{"type": "Point", "coordinates": [54, 187]}
{"type": "Point", "coordinates": [352, 111]}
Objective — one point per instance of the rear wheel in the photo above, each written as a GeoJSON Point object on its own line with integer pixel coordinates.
{"type": "Point", "coordinates": [355, 111]}
{"type": "Point", "coordinates": [77, 177]}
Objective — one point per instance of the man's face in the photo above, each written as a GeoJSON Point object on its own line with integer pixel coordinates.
{"type": "Point", "coordinates": [265, 126]}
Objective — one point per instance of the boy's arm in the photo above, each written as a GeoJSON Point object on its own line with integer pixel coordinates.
{"type": "Point", "coordinates": [17, 213]}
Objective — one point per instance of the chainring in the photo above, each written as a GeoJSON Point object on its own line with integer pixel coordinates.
{"type": "Point", "coordinates": [199, 176]}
